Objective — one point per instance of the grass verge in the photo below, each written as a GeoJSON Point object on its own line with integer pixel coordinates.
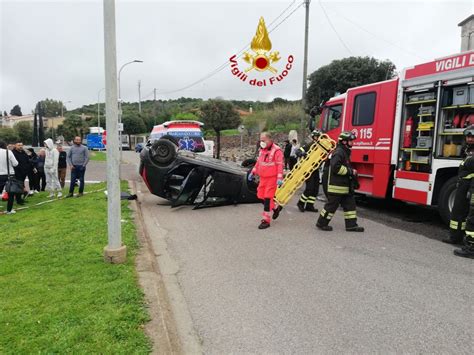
{"type": "Point", "coordinates": [57, 294]}
{"type": "Point", "coordinates": [97, 156]}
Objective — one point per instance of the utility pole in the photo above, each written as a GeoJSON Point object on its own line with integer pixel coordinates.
{"type": "Point", "coordinates": [305, 68]}
{"type": "Point", "coordinates": [114, 252]}
{"type": "Point", "coordinates": [139, 97]}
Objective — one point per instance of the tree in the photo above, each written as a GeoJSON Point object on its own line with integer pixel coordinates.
{"type": "Point", "coordinates": [278, 101]}
{"type": "Point", "coordinates": [340, 75]}
{"type": "Point", "coordinates": [283, 115]}
{"type": "Point", "coordinates": [16, 111]}
{"type": "Point", "coordinates": [24, 131]}
{"type": "Point", "coordinates": [133, 124]}
{"type": "Point", "coordinates": [52, 108]}
{"type": "Point", "coordinates": [219, 115]}
{"type": "Point", "coordinates": [5, 114]}
{"type": "Point", "coordinates": [71, 127]}
{"type": "Point", "coordinates": [8, 135]}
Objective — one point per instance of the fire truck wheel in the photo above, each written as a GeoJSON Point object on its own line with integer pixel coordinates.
{"type": "Point", "coordinates": [163, 151]}
{"type": "Point", "coordinates": [446, 199]}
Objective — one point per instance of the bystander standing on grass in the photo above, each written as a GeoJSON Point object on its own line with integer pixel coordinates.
{"type": "Point", "coordinates": [51, 169]}
{"type": "Point", "coordinates": [77, 159]}
{"type": "Point", "coordinates": [62, 165]}
{"type": "Point", "coordinates": [7, 163]}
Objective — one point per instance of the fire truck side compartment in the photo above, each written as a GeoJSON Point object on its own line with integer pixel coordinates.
{"type": "Point", "coordinates": [460, 95]}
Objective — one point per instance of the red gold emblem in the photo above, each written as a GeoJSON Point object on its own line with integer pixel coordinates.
{"type": "Point", "coordinates": [261, 45]}
{"type": "Point", "coordinates": [261, 59]}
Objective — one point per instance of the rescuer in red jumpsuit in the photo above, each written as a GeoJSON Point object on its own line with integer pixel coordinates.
{"type": "Point", "coordinates": [269, 168]}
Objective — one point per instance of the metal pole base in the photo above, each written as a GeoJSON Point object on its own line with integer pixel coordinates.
{"type": "Point", "coordinates": [115, 256]}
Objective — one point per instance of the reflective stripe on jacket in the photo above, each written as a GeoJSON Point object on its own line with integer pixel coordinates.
{"type": "Point", "coordinates": [340, 171]}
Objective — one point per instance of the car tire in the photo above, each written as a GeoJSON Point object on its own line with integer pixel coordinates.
{"type": "Point", "coordinates": [446, 199]}
{"type": "Point", "coordinates": [171, 139]}
{"type": "Point", "coordinates": [163, 152]}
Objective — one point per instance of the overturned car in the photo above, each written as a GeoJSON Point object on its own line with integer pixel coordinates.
{"type": "Point", "coordinates": [186, 178]}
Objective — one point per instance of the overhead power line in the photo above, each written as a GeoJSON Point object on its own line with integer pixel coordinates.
{"type": "Point", "coordinates": [247, 46]}
{"type": "Point", "coordinates": [376, 36]}
{"type": "Point", "coordinates": [334, 28]}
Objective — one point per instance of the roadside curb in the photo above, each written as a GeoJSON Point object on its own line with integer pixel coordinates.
{"type": "Point", "coordinates": [165, 294]}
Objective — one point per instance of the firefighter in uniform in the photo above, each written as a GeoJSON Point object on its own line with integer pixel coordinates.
{"type": "Point", "coordinates": [269, 167]}
{"type": "Point", "coordinates": [460, 209]}
{"type": "Point", "coordinates": [341, 183]}
{"type": "Point", "coordinates": [308, 198]}
{"type": "Point", "coordinates": [467, 250]}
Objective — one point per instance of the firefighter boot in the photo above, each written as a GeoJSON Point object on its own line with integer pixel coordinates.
{"type": "Point", "coordinates": [356, 228]}
{"type": "Point", "coordinates": [450, 240]}
{"type": "Point", "coordinates": [264, 224]}
{"type": "Point", "coordinates": [467, 251]}
{"type": "Point", "coordinates": [301, 205]}
{"type": "Point", "coordinates": [310, 208]}
{"type": "Point", "coordinates": [323, 224]}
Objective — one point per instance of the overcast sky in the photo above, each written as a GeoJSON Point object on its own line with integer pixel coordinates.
{"type": "Point", "coordinates": [55, 49]}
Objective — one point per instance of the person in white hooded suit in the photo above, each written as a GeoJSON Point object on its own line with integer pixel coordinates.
{"type": "Point", "coordinates": [51, 168]}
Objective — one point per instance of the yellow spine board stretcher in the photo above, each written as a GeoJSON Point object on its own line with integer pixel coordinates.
{"type": "Point", "coordinates": [318, 153]}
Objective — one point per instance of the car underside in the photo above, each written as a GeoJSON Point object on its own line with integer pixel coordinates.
{"type": "Point", "coordinates": [186, 178]}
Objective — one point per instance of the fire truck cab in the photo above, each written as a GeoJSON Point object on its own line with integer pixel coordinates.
{"type": "Point", "coordinates": [409, 130]}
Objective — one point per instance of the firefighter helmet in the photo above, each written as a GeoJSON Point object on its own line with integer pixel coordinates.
{"type": "Point", "coordinates": [469, 131]}
{"type": "Point", "coordinates": [316, 133]}
{"type": "Point", "coordinates": [346, 136]}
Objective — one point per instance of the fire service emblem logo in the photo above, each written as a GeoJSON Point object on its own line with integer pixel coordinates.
{"type": "Point", "coordinates": [261, 59]}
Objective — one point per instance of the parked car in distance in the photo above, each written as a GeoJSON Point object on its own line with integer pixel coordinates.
{"type": "Point", "coordinates": [139, 147]}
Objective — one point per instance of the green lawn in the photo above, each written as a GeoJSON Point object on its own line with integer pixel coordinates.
{"type": "Point", "coordinates": [97, 156]}
{"type": "Point", "coordinates": [57, 295]}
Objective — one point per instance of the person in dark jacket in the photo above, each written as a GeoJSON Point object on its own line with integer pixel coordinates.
{"type": "Point", "coordinates": [23, 167]}
{"type": "Point", "coordinates": [33, 171]}
{"type": "Point", "coordinates": [459, 212]}
{"type": "Point", "coordinates": [286, 153]}
{"type": "Point", "coordinates": [308, 197]}
{"type": "Point", "coordinates": [40, 168]}
{"type": "Point", "coordinates": [62, 165]}
{"type": "Point", "coordinates": [293, 157]}
{"type": "Point", "coordinates": [342, 178]}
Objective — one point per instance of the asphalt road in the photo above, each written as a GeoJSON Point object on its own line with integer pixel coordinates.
{"type": "Point", "coordinates": [96, 170]}
{"type": "Point", "coordinates": [294, 289]}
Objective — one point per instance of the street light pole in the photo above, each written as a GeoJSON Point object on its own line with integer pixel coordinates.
{"type": "Point", "coordinates": [120, 101]}
{"type": "Point", "coordinates": [62, 115]}
{"type": "Point", "coordinates": [62, 107]}
{"type": "Point", "coordinates": [98, 109]}
{"type": "Point", "coordinates": [114, 252]}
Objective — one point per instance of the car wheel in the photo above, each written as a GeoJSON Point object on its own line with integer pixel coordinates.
{"type": "Point", "coordinates": [446, 199]}
{"type": "Point", "coordinates": [163, 151]}
{"type": "Point", "coordinates": [171, 139]}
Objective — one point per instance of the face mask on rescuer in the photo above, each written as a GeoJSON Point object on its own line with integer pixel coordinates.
{"type": "Point", "coordinates": [263, 145]}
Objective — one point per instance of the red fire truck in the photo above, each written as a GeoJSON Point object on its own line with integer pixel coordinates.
{"type": "Point", "coordinates": [409, 130]}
